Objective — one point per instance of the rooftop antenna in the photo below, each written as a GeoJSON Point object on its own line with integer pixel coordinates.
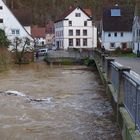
{"type": "Point", "coordinates": [117, 3]}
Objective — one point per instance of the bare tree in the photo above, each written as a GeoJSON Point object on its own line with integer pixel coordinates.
{"type": "Point", "coordinates": [20, 47]}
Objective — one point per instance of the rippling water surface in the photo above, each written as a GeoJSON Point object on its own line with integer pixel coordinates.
{"type": "Point", "coordinates": [38, 102]}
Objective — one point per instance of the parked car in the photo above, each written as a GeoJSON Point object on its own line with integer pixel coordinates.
{"type": "Point", "coordinates": [54, 48]}
{"type": "Point", "coordinates": [42, 51]}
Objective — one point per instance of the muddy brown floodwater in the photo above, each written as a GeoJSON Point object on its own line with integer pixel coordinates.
{"type": "Point", "coordinates": [38, 102]}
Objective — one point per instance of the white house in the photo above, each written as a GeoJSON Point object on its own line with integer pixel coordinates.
{"type": "Point", "coordinates": [136, 30]}
{"type": "Point", "coordinates": [12, 27]}
{"type": "Point", "coordinates": [116, 27]}
{"type": "Point", "coordinates": [39, 35]}
{"type": "Point", "coordinates": [74, 29]}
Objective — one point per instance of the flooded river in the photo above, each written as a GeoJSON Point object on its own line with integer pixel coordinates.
{"type": "Point", "coordinates": [39, 102]}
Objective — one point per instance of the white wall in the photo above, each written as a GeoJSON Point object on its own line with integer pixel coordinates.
{"type": "Point", "coordinates": [28, 29]}
{"type": "Point", "coordinates": [11, 23]}
{"type": "Point", "coordinates": [118, 40]}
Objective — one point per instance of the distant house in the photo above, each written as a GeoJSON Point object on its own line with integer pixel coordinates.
{"type": "Point", "coordinates": [12, 27]}
{"type": "Point", "coordinates": [50, 36]}
{"type": "Point", "coordinates": [39, 35]}
{"type": "Point", "coordinates": [116, 27]}
{"type": "Point", "coordinates": [74, 29]}
{"type": "Point", "coordinates": [136, 29]}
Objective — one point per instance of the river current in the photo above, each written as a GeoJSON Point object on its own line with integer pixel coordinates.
{"type": "Point", "coordinates": [39, 102]}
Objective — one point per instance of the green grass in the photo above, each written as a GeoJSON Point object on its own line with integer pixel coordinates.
{"type": "Point", "coordinates": [131, 55]}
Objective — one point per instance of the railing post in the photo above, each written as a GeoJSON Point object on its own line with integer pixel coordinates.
{"type": "Point", "coordinates": [103, 56]}
{"type": "Point", "coordinates": [108, 61]}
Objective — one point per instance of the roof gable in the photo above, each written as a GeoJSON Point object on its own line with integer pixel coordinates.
{"type": "Point", "coordinates": [122, 22]}
{"type": "Point", "coordinates": [87, 12]}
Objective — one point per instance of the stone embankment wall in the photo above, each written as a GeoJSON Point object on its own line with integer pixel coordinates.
{"type": "Point", "coordinates": [123, 88]}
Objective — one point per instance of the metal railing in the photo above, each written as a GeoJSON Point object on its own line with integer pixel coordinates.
{"type": "Point", "coordinates": [132, 97]}
{"type": "Point", "coordinates": [126, 85]}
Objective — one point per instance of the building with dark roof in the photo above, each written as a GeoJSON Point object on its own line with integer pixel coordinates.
{"type": "Point", "coordinates": [117, 27]}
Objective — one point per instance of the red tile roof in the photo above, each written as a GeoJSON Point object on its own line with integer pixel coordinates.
{"type": "Point", "coordinates": [38, 31]}
{"type": "Point", "coordinates": [88, 11]}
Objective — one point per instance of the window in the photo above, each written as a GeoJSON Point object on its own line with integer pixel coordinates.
{"type": "Point", "coordinates": [109, 34]}
{"type": "Point", "coordinates": [13, 32]}
{"type": "Point", "coordinates": [121, 34]}
{"type": "Point", "coordinates": [84, 42]}
{"type": "Point", "coordinates": [17, 32]}
{"type": "Point", "coordinates": [77, 32]}
{"type": "Point", "coordinates": [1, 7]}
{"type": "Point", "coordinates": [70, 32]}
{"type": "Point", "coordinates": [77, 42]}
{"type": "Point", "coordinates": [115, 12]}
{"type": "Point", "coordinates": [1, 20]}
{"type": "Point", "coordinates": [115, 34]}
{"type": "Point", "coordinates": [85, 23]}
{"type": "Point", "coordinates": [84, 32]}
{"type": "Point", "coordinates": [78, 14]}
{"type": "Point", "coordinates": [112, 45]}
{"type": "Point", "coordinates": [70, 23]}
{"type": "Point", "coordinates": [70, 42]}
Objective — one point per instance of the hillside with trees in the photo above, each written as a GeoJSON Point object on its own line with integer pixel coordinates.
{"type": "Point", "coordinates": [44, 10]}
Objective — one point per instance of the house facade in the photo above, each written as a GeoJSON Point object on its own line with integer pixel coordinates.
{"type": "Point", "coordinates": [39, 35]}
{"type": "Point", "coordinates": [136, 30]}
{"type": "Point", "coordinates": [74, 29]}
{"type": "Point", "coordinates": [116, 27]}
{"type": "Point", "coordinates": [12, 27]}
{"type": "Point", "coordinates": [50, 34]}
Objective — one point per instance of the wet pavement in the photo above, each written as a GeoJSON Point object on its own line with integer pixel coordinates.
{"type": "Point", "coordinates": [39, 102]}
{"type": "Point", "coordinates": [133, 63]}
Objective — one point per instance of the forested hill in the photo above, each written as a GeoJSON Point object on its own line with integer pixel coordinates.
{"type": "Point", "coordinates": [44, 10]}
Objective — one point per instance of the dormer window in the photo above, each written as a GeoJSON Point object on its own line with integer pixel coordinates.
{"type": "Point", "coordinates": [78, 14]}
{"type": "Point", "coordinates": [115, 12]}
